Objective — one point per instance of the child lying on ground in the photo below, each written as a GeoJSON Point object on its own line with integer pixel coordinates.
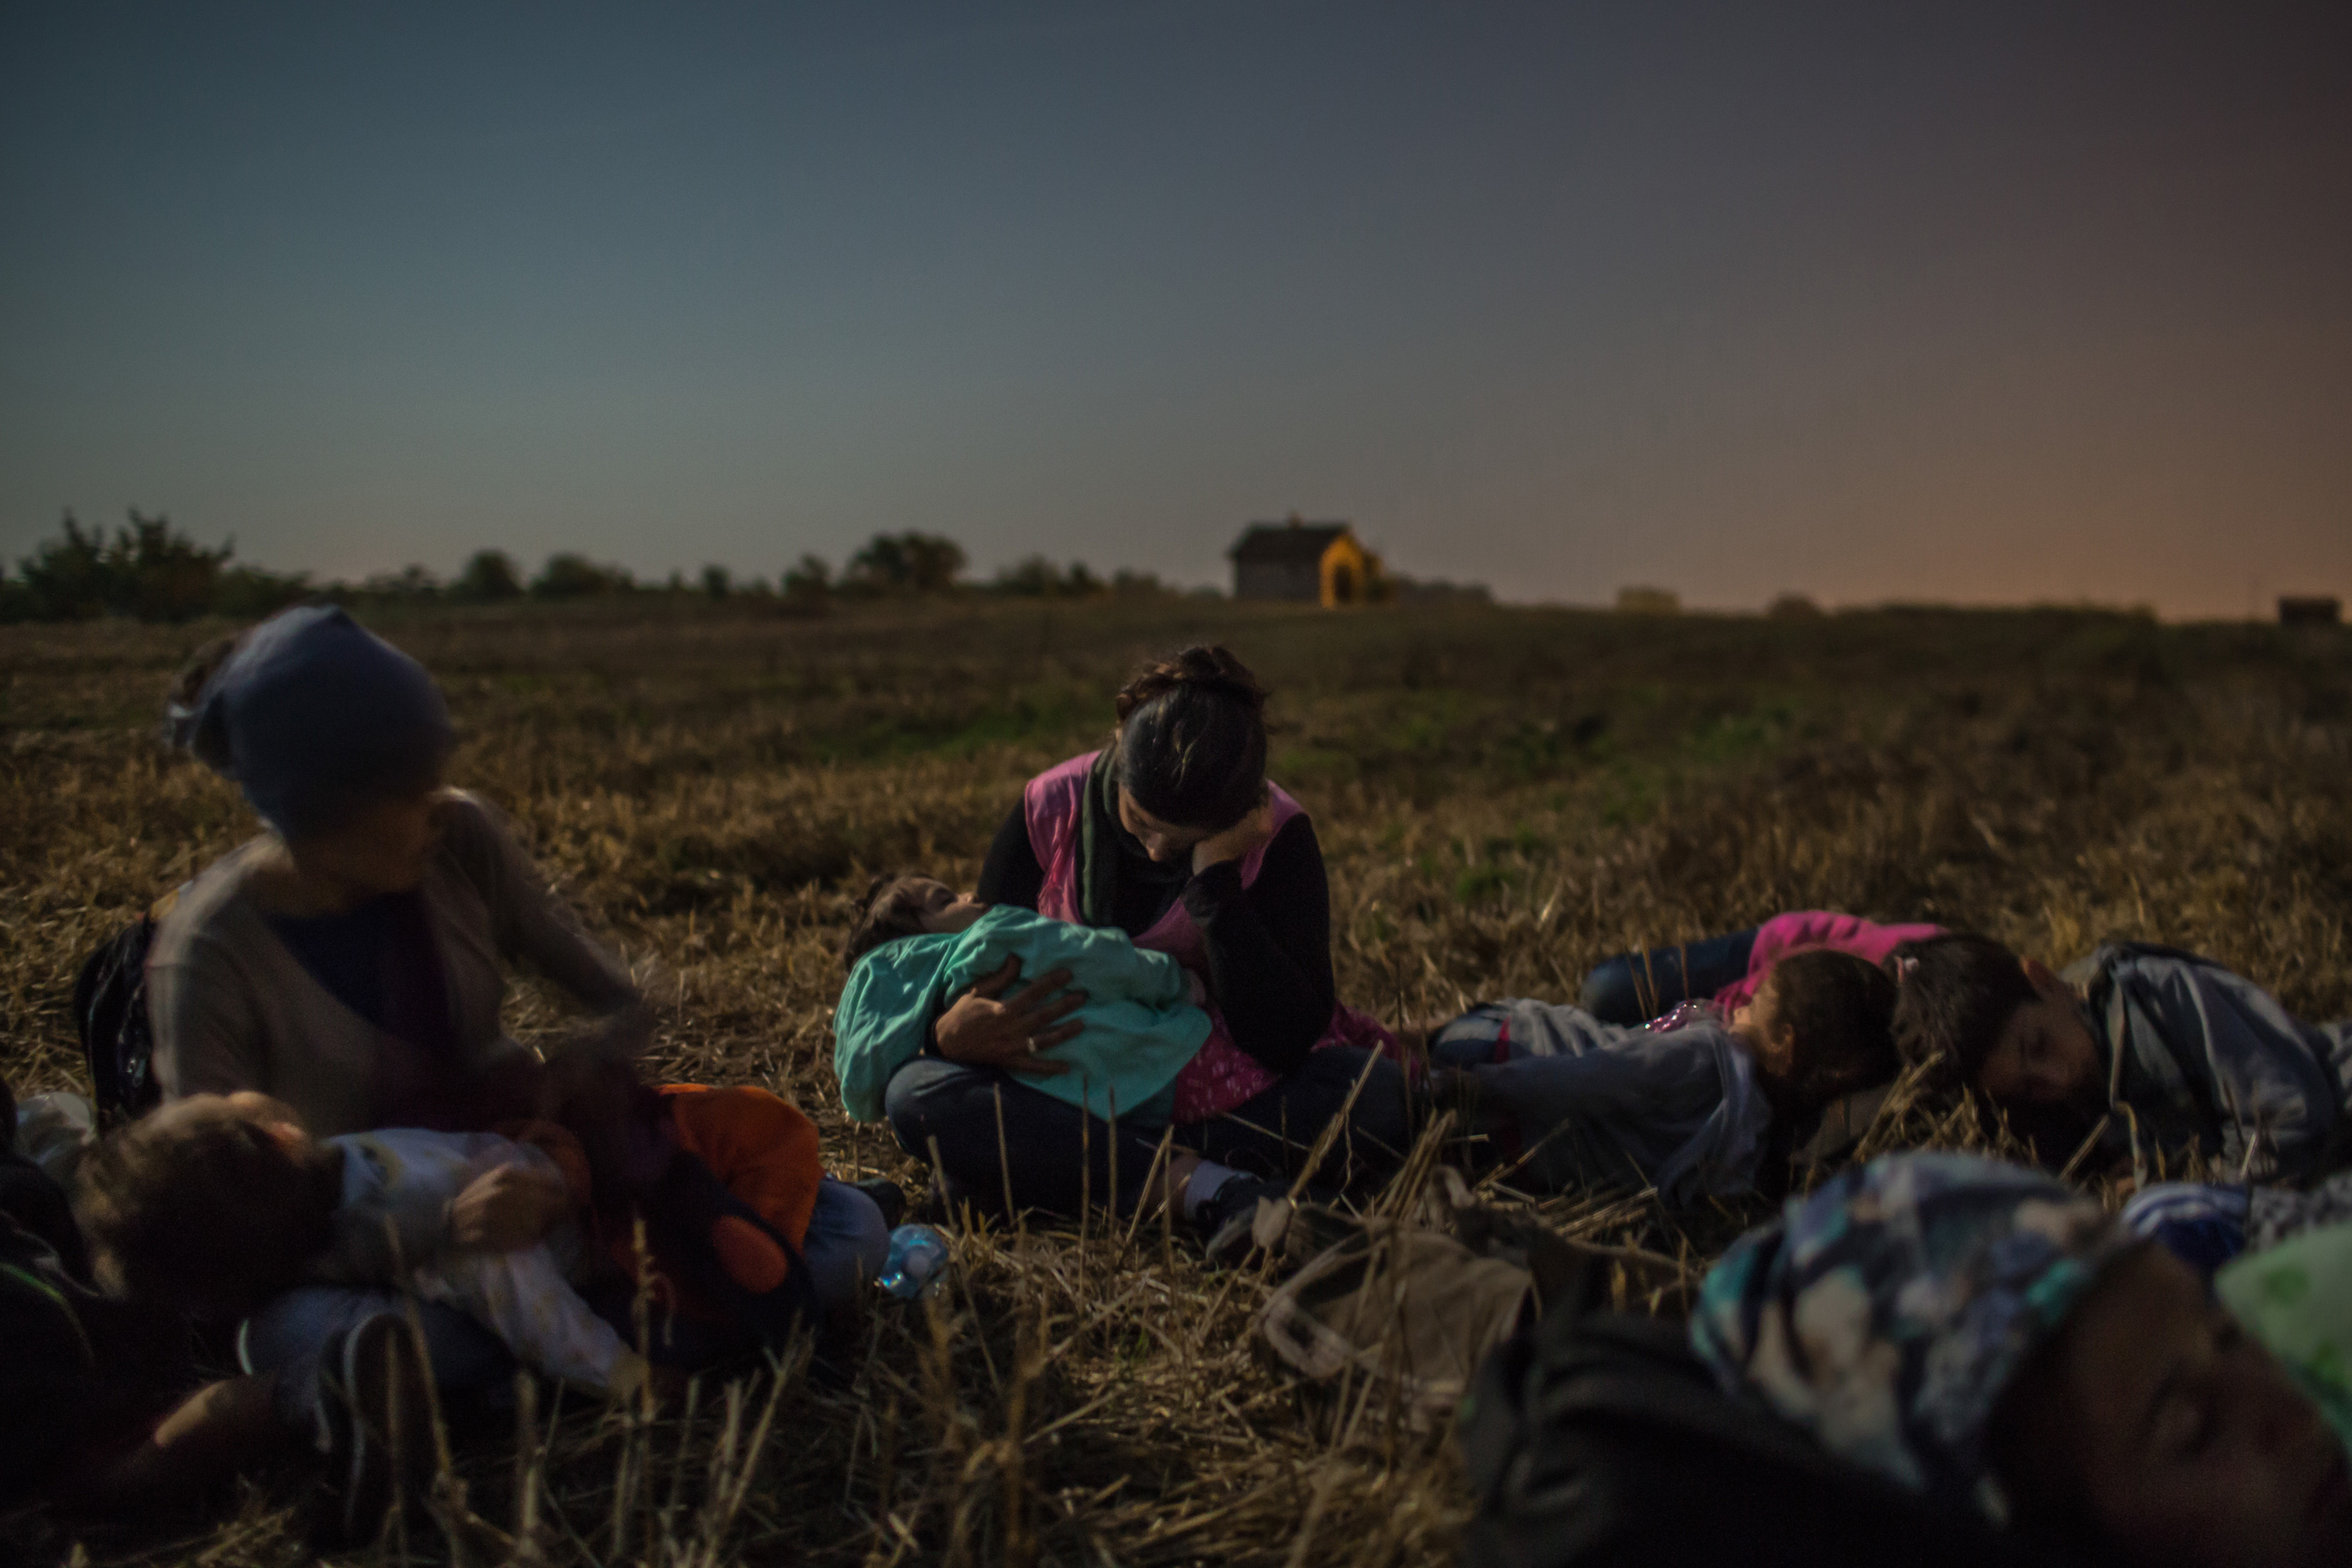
{"type": "Point", "coordinates": [1683, 1104]}
{"type": "Point", "coordinates": [1983, 1335]}
{"type": "Point", "coordinates": [216, 1204]}
{"type": "Point", "coordinates": [919, 945]}
{"type": "Point", "coordinates": [1633, 987]}
{"type": "Point", "coordinates": [2185, 1054]}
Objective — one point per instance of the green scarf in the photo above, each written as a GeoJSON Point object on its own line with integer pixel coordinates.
{"type": "Point", "coordinates": [1107, 851]}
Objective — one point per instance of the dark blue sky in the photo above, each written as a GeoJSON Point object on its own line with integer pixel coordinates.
{"type": "Point", "coordinates": [1970, 302]}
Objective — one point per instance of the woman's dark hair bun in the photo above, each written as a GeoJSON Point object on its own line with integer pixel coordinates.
{"type": "Point", "coordinates": [1191, 746]}
{"type": "Point", "coordinates": [1204, 668]}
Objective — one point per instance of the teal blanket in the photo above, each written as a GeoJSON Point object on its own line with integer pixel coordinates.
{"type": "Point", "coordinates": [1141, 1026]}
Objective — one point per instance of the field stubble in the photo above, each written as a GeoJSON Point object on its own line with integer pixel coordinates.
{"type": "Point", "coordinates": [1503, 798]}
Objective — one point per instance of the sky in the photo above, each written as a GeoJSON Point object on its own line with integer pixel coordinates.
{"type": "Point", "coordinates": [1975, 302]}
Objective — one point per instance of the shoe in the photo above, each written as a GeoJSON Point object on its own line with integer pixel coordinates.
{"type": "Point", "coordinates": [1229, 1218]}
{"type": "Point", "coordinates": [378, 1418]}
{"type": "Point", "coordinates": [887, 1198]}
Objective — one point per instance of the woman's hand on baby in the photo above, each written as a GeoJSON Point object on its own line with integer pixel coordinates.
{"type": "Point", "coordinates": [506, 1209]}
{"type": "Point", "coordinates": [1237, 841]}
{"type": "Point", "coordinates": [979, 1029]}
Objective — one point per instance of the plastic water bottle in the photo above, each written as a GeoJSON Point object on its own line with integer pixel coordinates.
{"type": "Point", "coordinates": [918, 1255]}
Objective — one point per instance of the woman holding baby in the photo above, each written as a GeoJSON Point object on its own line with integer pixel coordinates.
{"type": "Point", "coordinates": [1173, 835]}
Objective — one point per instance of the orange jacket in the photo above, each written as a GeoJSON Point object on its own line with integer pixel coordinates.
{"type": "Point", "coordinates": [764, 1152]}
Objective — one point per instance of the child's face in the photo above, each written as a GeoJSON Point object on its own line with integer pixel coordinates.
{"type": "Point", "coordinates": [2176, 1437]}
{"type": "Point", "coordinates": [1758, 1024]}
{"type": "Point", "coordinates": [2045, 1055]}
{"type": "Point", "coordinates": [942, 908]}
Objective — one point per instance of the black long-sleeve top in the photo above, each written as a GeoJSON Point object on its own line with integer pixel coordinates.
{"type": "Point", "coordinates": [1270, 945]}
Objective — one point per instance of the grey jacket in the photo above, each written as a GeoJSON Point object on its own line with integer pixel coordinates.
{"type": "Point", "coordinates": [232, 1007]}
{"type": "Point", "coordinates": [1674, 1104]}
{"type": "Point", "coordinates": [2199, 1056]}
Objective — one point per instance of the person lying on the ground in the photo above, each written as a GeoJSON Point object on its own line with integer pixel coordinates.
{"type": "Point", "coordinates": [2169, 1053]}
{"type": "Point", "coordinates": [351, 960]}
{"type": "Point", "coordinates": [219, 1206]}
{"type": "Point", "coordinates": [1688, 1103]}
{"type": "Point", "coordinates": [1632, 987]}
{"type": "Point", "coordinates": [1986, 1336]}
{"type": "Point", "coordinates": [1173, 834]}
{"type": "Point", "coordinates": [918, 946]}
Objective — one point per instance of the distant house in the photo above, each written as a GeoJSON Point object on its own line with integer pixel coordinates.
{"type": "Point", "coordinates": [2314, 610]}
{"type": "Point", "coordinates": [1306, 563]}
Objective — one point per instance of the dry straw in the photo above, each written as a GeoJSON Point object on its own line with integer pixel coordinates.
{"type": "Point", "coordinates": [1502, 797]}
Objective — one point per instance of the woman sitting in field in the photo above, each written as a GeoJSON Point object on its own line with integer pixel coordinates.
{"type": "Point", "coordinates": [1693, 1104]}
{"type": "Point", "coordinates": [1633, 987]}
{"type": "Point", "coordinates": [350, 963]}
{"type": "Point", "coordinates": [2169, 1053]}
{"type": "Point", "coordinates": [1171, 835]}
{"type": "Point", "coordinates": [1983, 1336]}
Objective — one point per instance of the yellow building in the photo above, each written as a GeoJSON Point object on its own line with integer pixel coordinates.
{"type": "Point", "coordinates": [1306, 563]}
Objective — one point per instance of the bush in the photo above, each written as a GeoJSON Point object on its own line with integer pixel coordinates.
{"type": "Point", "coordinates": [570, 576]}
{"type": "Point", "coordinates": [717, 583]}
{"type": "Point", "coordinates": [149, 570]}
{"type": "Point", "coordinates": [906, 563]}
{"type": "Point", "coordinates": [488, 579]}
{"type": "Point", "coordinates": [1037, 578]}
{"type": "Point", "coordinates": [1794, 607]}
{"type": "Point", "coordinates": [808, 583]}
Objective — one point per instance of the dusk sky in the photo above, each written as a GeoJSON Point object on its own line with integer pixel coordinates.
{"type": "Point", "coordinates": [1983, 303]}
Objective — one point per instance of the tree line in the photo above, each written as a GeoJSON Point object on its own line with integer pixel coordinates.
{"type": "Point", "coordinates": [148, 570]}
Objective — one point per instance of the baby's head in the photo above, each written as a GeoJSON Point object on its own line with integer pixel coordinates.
{"type": "Point", "coordinates": [212, 1204]}
{"type": "Point", "coordinates": [2004, 1026]}
{"type": "Point", "coordinates": [1821, 1027]}
{"type": "Point", "coordinates": [911, 904]}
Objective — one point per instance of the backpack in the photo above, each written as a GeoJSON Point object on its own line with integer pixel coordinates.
{"type": "Point", "coordinates": [1409, 1307]}
{"type": "Point", "coordinates": [79, 1370]}
{"type": "Point", "coordinates": [109, 1010]}
{"type": "Point", "coordinates": [1595, 1439]}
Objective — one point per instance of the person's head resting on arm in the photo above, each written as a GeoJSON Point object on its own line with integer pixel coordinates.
{"type": "Point", "coordinates": [211, 1205]}
{"type": "Point", "coordinates": [1983, 1335]}
{"type": "Point", "coordinates": [338, 739]}
{"type": "Point", "coordinates": [907, 905]}
{"type": "Point", "coordinates": [2005, 1028]}
{"type": "Point", "coordinates": [1190, 758]}
{"type": "Point", "coordinates": [1820, 1027]}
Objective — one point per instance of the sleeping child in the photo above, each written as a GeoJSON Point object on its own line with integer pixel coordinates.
{"type": "Point", "coordinates": [1633, 987]}
{"type": "Point", "coordinates": [2174, 1051]}
{"type": "Point", "coordinates": [218, 1204]}
{"type": "Point", "coordinates": [920, 945]}
{"type": "Point", "coordinates": [1689, 1104]}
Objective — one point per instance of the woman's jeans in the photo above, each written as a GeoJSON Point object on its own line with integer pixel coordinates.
{"type": "Point", "coordinates": [1634, 988]}
{"type": "Point", "coordinates": [845, 1247]}
{"type": "Point", "coordinates": [1003, 1146]}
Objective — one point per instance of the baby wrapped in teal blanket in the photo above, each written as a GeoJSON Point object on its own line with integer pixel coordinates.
{"type": "Point", "coordinates": [919, 946]}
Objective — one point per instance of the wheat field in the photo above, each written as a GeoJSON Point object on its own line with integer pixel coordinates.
{"type": "Point", "coordinates": [1504, 797]}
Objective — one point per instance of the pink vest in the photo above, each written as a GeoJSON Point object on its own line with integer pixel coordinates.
{"type": "Point", "coordinates": [1220, 1075]}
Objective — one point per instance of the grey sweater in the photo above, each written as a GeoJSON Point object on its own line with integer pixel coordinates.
{"type": "Point", "coordinates": [234, 1008]}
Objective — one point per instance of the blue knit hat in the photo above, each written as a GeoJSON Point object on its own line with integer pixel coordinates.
{"type": "Point", "coordinates": [314, 716]}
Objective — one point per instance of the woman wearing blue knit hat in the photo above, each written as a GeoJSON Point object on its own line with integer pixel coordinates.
{"type": "Point", "coordinates": [351, 961]}
{"type": "Point", "coordinates": [1983, 1334]}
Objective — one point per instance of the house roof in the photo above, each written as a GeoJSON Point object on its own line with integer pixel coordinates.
{"type": "Point", "coordinates": [1285, 542]}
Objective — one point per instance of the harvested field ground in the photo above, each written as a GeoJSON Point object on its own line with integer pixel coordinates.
{"type": "Point", "coordinates": [1504, 796]}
